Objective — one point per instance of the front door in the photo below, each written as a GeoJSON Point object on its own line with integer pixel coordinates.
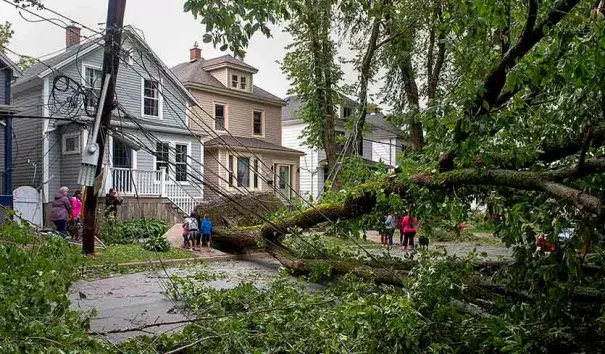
{"type": "Point", "coordinates": [122, 167]}
{"type": "Point", "coordinates": [284, 181]}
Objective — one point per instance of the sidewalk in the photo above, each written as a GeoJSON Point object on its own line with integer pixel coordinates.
{"type": "Point", "coordinates": [175, 237]}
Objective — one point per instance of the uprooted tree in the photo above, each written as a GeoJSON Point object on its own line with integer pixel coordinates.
{"type": "Point", "coordinates": [514, 113]}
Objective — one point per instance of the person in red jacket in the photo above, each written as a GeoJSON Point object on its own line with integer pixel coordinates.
{"type": "Point", "coordinates": [407, 227]}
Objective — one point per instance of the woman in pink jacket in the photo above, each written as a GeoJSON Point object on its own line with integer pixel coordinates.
{"type": "Point", "coordinates": [75, 222]}
{"type": "Point", "coordinates": [408, 230]}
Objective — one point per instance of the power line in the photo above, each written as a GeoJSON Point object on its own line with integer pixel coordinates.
{"type": "Point", "coordinates": [226, 146]}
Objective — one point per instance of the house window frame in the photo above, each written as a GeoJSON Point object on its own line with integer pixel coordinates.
{"type": "Point", "coordinates": [160, 98]}
{"type": "Point", "coordinates": [187, 161]}
{"type": "Point", "coordinates": [243, 83]}
{"type": "Point", "coordinates": [344, 109]}
{"type": "Point", "coordinates": [235, 80]}
{"type": "Point", "coordinates": [225, 115]}
{"type": "Point", "coordinates": [262, 119]}
{"type": "Point", "coordinates": [254, 174]}
{"type": "Point", "coordinates": [171, 172]}
{"type": "Point", "coordinates": [66, 136]}
{"type": "Point", "coordinates": [155, 160]}
{"type": "Point", "coordinates": [84, 80]}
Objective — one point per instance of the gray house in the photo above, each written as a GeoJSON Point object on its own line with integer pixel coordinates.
{"type": "Point", "coordinates": [150, 150]}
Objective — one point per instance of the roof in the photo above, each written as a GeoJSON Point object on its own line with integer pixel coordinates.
{"type": "Point", "coordinates": [250, 143]}
{"type": "Point", "coordinates": [293, 104]}
{"type": "Point", "coordinates": [38, 68]}
{"type": "Point", "coordinates": [194, 72]}
{"type": "Point", "coordinates": [375, 120]}
{"type": "Point", "coordinates": [8, 62]}
{"type": "Point", "coordinates": [228, 59]}
{"type": "Point", "coordinates": [46, 67]}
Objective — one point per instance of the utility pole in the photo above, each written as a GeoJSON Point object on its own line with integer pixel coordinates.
{"type": "Point", "coordinates": [111, 63]}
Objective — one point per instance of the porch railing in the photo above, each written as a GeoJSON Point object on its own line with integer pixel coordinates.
{"type": "Point", "coordinates": [150, 183]}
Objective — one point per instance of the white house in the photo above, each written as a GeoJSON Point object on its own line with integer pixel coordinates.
{"type": "Point", "coordinates": [382, 143]}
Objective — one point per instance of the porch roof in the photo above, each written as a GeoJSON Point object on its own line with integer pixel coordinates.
{"type": "Point", "coordinates": [250, 143]}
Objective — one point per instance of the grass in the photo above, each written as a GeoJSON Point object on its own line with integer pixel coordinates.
{"type": "Point", "coordinates": [116, 254]}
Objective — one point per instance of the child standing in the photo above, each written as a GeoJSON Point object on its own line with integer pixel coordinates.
{"type": "Point", "coordinates": [206, 229]}
{"type": "Point", "coordinates": [190, 232]}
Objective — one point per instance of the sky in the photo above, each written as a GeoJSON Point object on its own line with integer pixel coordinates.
{"type": "Point", "coordinates": [167, 29]}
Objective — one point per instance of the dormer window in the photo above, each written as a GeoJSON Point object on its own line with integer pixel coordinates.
{"type": "Point", "coordinates": [239, 82]}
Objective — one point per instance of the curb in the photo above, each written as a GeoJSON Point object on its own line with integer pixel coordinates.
{"type": "Point", "coordinates": [225, 257]}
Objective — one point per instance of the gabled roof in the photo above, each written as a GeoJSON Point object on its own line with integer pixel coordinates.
{"type": "Point", "coordinates": [11, 64]}
{"type": "Point", "coordinates": [250, 143]}
{"type": "Point", "coordinates": [46, 67]}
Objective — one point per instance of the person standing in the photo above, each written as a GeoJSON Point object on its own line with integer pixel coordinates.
{"type": "Point", "coordinates": [206, 229]}
{"type": "Point", "coordinates": [61, 211]}
{"type": "Point", "coordinates": [409, 231]}
{"type": "Point", "coordinates": [390, 225]}
{"type": "Point", "coordinates": [75, 222]}
{"type": "Point", "coordinates": [111, 203]}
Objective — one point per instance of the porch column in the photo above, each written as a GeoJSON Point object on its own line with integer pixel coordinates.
{"type": "Point", "coordinates": [163, 182]}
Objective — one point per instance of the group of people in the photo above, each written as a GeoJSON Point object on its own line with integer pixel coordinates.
{"type": "Point", "coordinates": [197, 233]}
{"type": "Point", "coordinates": [66, 212]}
{"type": "Point", "coordinates": [407, 230]}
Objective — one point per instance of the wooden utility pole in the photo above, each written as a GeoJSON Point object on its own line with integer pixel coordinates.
{"type": "Point", "coordinates": [111, 63]}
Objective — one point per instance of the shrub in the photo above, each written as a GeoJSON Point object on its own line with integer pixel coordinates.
{"type": "Point", "coordinates": [130, 231]}
{"type": "Point", "coordinates": [34, 305]}
{"type": "Point", "coordinates": [157, 243]}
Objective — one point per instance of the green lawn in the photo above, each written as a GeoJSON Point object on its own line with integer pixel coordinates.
{"type": "Point", "coordinates": [133, 253]}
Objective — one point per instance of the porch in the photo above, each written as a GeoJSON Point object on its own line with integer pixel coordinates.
{"type": "Point", "coordinates": [151, 183]}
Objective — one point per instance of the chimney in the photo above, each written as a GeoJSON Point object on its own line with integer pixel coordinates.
{"type": "Point", "coordinates": [72, 35]}
{"type": "Point", "coordinates": [195, 53]}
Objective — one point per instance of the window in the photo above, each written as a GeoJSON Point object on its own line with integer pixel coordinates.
{"type": "Point", "coordinates": [257, 123]}
{"type": "Point", "coordinates": [243, 172]}
{"type": "Point", "coordinates": [181, 162]}
{"type": "Point", "coordinates": [234, 81]}
{"type": "Point", "coordinates": [346, 112]}
{"type": "Point", "coordinates": [230, 171]}
{"type": "Point", "coordinates": [256, 174]}
{"type": "Point", "coordinates": [92, 78]}
{"type": "Point", "coordinates": [151, 98]}
{"type": "Point", "coordinates": [71, 144]}
{"type": "Point", "coordinates": [242, 82]}
{"type": "Point", "coordinates": [162, 153]}
{"type": "Point", "coordinates": [219, 117]}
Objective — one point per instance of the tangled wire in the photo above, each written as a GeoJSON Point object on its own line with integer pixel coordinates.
{"type": "Point", "coordinates": [69, 97]}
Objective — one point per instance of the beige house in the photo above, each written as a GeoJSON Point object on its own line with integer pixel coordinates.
{"type": "Point", "coordinates": [242, 123]}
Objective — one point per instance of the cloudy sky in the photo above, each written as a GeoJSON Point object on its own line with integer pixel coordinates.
{"type": "Point", "coordinates": [169, 31]}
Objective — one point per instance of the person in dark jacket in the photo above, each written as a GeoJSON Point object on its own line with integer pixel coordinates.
{"type": "Point", "coordinates": [111, 203]}
{"type": "Point", "coordinates": [61, 211]}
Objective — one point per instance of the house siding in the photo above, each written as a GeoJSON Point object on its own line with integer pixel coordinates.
{"type": "Point", "coordinates": [27, 142]}
{"type": "Point", "coordinates": [386, 150]}
{"type": "Point", "coordinates": [238, 116]}
{"type": "Point", "coordinates": [3, 70]}
{"type": "Point", "coordinates": [267, 159]}
{"type": "Point", "coordinates": [221, 75]}
{"type": "Point", "coordinates": [129, 89]}
{"type": "Point", "coordinates": [310, 175]}
{"type": "Point", "coordinates": [145, 159]}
